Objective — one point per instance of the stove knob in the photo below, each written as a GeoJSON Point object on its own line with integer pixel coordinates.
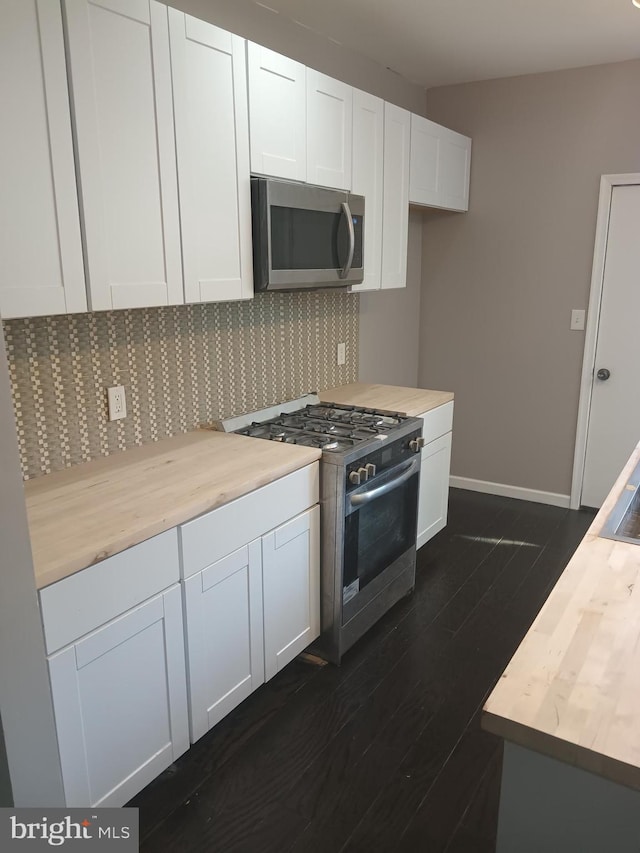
{"type": "Point", "coordinates": [354, 477]}
{"type": "Point", "coordinates": [416, 444]}
{"type": "Point", "coordinates": [364, 474]}
{"type": "Point", "coordinates": [371, 469]}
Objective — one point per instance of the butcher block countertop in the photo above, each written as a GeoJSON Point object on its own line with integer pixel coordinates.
{"type": "Point", "coordinates": [572, 689]}
{"type": "Point", "coordinates": [84, 514]}
{"type": "Point", "coordinates": [389, 398]}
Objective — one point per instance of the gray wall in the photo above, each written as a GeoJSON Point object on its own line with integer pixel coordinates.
{"type": "Point", "coordinates": [26, 714]}
{"type": "Point", "coordinates": [499, 282]}
{"type": "Point", "coordinates": [390, 323]}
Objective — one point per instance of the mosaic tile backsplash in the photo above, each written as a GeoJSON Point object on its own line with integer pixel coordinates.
{"type": "Point", "coordinates": [181, 366]}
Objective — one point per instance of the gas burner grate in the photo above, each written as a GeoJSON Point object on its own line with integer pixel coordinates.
{"type": "Point", "coordinates": [328, 426]}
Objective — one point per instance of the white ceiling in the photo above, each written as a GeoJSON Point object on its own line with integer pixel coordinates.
{"type": "Point", "coordinates": [436, 42]}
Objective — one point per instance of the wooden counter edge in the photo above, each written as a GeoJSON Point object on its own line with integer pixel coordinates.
{"type": "Point", "coordinates": [561, 750]}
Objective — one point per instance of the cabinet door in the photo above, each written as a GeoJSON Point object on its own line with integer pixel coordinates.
{"type": "Point", "coordinates": [120, 703]}
{"type": "Point", "coordinates": [212, 137]}
{"type": "Point", "coordinates": [329, 131]}
{"type": "Point", "coordinates": [223, 606]}
{"type": "Point", "coordinates": [291, 589]}
{"type": "Point", "coordinates": [395, 216]}
{"type": "Point", "coordinates": [121, 88]}
{"type": "Point", "coordinates": [277, 114]}
{"type": "Point", "coordinates": [440, 163]}
{"type": "Point", "coordinates": [42, 268]}
{"type": "Point", "coordinates": [368, 170]}
{"type": "Point", "coordinates": [434, 488]}
{"type": "Point", "coordinates": [454, 170]}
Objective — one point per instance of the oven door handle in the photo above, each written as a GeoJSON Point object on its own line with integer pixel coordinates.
{"type": "Point", "coordinates": [378, 491]}
{"type": "Point", "coordinates": [346, 212]}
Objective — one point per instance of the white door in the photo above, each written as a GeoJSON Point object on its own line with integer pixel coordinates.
{"type": "Point", "coordinates": [367, 175]}
{"type": "Point", "coordinates": [40, 246]}
{"type": "Point", "coordinates": [277, 114]}
{"type": "Point", "coordinates": [121, 90]}
{"type": "Point", "coordinates": [395, 215]}
{"type": "Point", "coordinates": [212, 136]}
{"type": "Point", "coordinates": [291, 589]}
{"type": "Point", "coordinates": [120, 703]}
{"type": "Point", "coordinates": [223, 606]}
{"type": "Point", "coordinates": [329, 131]}
{"type": "Point", "coordinates": [614, 419]}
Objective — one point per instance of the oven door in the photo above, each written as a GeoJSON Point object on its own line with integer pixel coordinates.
{"type": "Point", "coordinates": [380, 527]}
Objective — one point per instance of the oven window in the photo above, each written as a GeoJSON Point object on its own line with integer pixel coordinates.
{"type": "Point", "coordinates": [306, 239]}
{"type": "Point", "coordinates": [378, 533]}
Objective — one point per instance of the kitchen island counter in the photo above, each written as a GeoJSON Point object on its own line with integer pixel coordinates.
{"type": "Point", "coordinates": [82, 515]}
{"type": "Point", "coordinates": [568, 706]}
{"type": "Point", "coordinates": [572, 689]}
{"type": "Point", "coordinates": [390, 398]}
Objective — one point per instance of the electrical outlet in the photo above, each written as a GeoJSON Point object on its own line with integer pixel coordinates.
{"type": "Point", "coordinates": [342, 354]}
{"type": "Point", "coordinates": [117, 402]}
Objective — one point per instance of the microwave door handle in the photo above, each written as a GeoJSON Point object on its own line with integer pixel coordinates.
{"type": "Point", "coordinates": [346, 212]}
{"type": "Point", "coordinates": [372, 494]}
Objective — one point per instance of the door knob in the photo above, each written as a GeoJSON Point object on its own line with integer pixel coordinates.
{"type": "Point", "coordinates": [603, 373]}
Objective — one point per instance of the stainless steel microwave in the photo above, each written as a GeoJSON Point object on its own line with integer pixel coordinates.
{"type": "Point", "coordinates": [305, 237]}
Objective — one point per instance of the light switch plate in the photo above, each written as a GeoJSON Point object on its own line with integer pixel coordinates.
{"type": "Point", "coordinates": [342, 353]}
{"type": "Point", "coordinates": [577, 320]}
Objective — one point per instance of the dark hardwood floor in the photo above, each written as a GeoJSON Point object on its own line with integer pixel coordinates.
{"type": "Point", "coordinates": [384, 753]}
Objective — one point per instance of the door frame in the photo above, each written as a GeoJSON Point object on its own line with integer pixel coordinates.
{"type": "Point", "coordinates": [607, 185]}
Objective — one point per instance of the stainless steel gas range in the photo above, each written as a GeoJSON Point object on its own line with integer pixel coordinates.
{"type": "Point", "coordinates": [369, 476]}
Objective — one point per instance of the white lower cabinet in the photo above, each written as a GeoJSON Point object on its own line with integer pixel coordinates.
{"type": "Point", "coordinates": [119, 691]}
{"type": "Point", "coordinates": [223, 606]}
{"type": "Point", "coordinates": [128, 696]}
{"type": "Point", "coordinates": [435, 463]}
{"type": "Point", "coordinates": [291, 589]}
{"type": "Point", "coordinates": [249, 611]}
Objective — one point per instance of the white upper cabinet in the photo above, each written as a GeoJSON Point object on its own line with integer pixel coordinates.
{"type": "Point", "coordinates": [121, 91]}
{"type": "Point", "coordinates": [368, 170]}
{"type": "Point", "coordinates": [40, 246]}
{"type": "Point", "coordinates": [440, 166]}
{"type": "Point", "coordinates": [395, 213]}
{"type": "Point", "coordinates": [329, 131]}
{"type": "Point", "coordinates": [212, 137]}
{"type": "Point", "coordinates": [277, 112]}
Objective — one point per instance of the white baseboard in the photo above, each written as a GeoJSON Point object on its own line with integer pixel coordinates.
{"type": "Point", "coordinates": [551, 498]}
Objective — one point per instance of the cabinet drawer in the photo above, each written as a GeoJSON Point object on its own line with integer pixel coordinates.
{"type": "Point", "coordinates": [212, 536]}
{"type": "Point", "coordinates": [437, 422]}
{"type": "Point", "coordinates": [84, 601]}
